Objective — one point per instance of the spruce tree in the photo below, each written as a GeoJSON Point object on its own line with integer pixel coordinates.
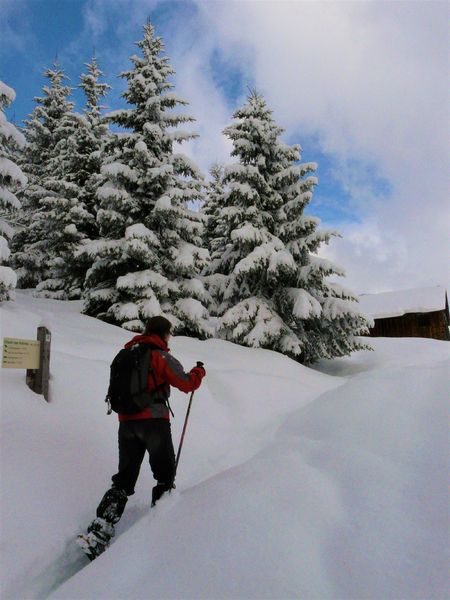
{"type": "Point", "coordinates": [211, 208]}
{"type": "Point", "coordinates": [86, 146]}
{"type": "Point", "coordinates": [92, 141]}
{"type": "Point", "coordinates": [324, 315]}
{"type": "Point", "coordinates": [275, 293]}
{"type": "Point", "coordinates": [215, 233]}
{"type": "Point", "coordinates": [11, 177]}
{"type": "Point", "coordinates": [78, 161]}
{"type": "Point", "coordinates": [150, 256]}
{"type": "Point", "coordinates": [48, 125]}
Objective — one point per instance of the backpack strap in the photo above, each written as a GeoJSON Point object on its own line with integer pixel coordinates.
{"type": "Point", "coordinates": [170, 408]}
{"type": "Point", "coordinates": [161, 385]}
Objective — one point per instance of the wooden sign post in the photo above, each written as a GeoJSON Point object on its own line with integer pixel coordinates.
{"type": "Point", "coordinates": [32, 355]}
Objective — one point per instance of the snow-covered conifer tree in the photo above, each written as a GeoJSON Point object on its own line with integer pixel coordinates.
{"type": "Point", "coordinates": [325, 315]}
{"type": "Point", "coordinates": [211, 208]}
{"type": "Point", "coordinates": [87, 146]}
{"type": "Point", "coordinates": [248, 315]}
{"type": "Point", "coordinates": [89, 142]}
{"type": "Point", "coordinates": [149, 260]}
{"type": "Point", "coordinates": [275, 294]}
{"type": "Point", "coordinates": [63, 161]}
{"type": "Point", "coordinates": [11, 176]}
{"type": "Point", "coordinates": [48, 125]}
{"type": "Point", "coordinates": [215, 237]}
{"type": "Point", "coordinates": [72, 218]}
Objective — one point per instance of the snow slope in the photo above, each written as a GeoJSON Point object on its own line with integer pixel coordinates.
{"type": "Point", "coordinates": [293, 482]}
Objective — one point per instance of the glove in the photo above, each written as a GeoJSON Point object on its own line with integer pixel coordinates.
{"type": "Point", "coordinates": [199, 370]}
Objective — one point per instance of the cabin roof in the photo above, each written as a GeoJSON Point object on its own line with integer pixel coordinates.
{"type": "Point", "coordinates": [396, 304]}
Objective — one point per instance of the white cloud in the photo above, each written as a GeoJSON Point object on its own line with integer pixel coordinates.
{"type": "Point", "coordinates": [369, 79]}
{"type": "Point", "coordinates": [209, 107]}
{"type": "Point", "coordinates": [372, 256]}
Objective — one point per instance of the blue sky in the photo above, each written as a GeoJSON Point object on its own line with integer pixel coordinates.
{"type": "Point", "coordinates": [363, 87]}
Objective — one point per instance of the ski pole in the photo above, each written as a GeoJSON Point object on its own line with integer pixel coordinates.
{"type": "Point", "coordinates": [199, 364]}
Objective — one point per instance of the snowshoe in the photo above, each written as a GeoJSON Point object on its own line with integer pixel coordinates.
{"type": "Point", "coordinates": [97, 539]}
{"type": "Point", "coordinates": [112, 505]}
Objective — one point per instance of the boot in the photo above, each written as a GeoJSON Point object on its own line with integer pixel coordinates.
{"type": "Point", "coordinates": [159, 489]}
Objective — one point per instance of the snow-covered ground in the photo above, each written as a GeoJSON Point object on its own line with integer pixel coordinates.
{"type": "Point", "coordinates": [293, 482]}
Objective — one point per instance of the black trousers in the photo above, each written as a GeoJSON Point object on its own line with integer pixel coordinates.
{"type": "Point", "coordinates": [137, 437]}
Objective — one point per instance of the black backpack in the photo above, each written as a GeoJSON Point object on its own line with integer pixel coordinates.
{"type": "Point", "coordinates": [127, 391]}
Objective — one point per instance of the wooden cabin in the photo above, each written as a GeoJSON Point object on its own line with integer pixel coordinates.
{"type": "Point", "coordinates": [409, 313]}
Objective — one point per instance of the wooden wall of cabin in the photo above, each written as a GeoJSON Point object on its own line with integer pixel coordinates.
{"type": "Point", "coordinates": [427, 325]}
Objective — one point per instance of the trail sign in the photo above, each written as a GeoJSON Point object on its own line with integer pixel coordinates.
{"type": "Point", "coordinates": [20, 354]}
{"type": "Point", "coordinates": [32, 355]}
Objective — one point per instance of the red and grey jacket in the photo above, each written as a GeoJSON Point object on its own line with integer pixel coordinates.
{"type": "Point", "coordinates": [165, 371]}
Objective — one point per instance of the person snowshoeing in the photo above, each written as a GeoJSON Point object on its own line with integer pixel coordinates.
{"type": "Point", "coordinates": [145, 431]}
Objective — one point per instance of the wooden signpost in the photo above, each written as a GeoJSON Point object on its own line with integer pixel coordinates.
{"type": "Point", "coordinates": [32, 355]}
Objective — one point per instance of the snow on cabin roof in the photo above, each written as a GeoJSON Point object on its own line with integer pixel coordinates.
{"type": "Point", "coordinates": [396, 304]}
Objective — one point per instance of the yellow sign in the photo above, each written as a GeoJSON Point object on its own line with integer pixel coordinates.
{"type": "Point", "coordinates": [20, 354]}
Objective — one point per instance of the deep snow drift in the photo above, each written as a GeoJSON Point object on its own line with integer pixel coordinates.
{"type": "Point", "coordinates": [293, 482]}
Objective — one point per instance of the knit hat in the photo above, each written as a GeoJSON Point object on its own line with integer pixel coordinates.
{"type": "Point", "coordinates": [158, 326]}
